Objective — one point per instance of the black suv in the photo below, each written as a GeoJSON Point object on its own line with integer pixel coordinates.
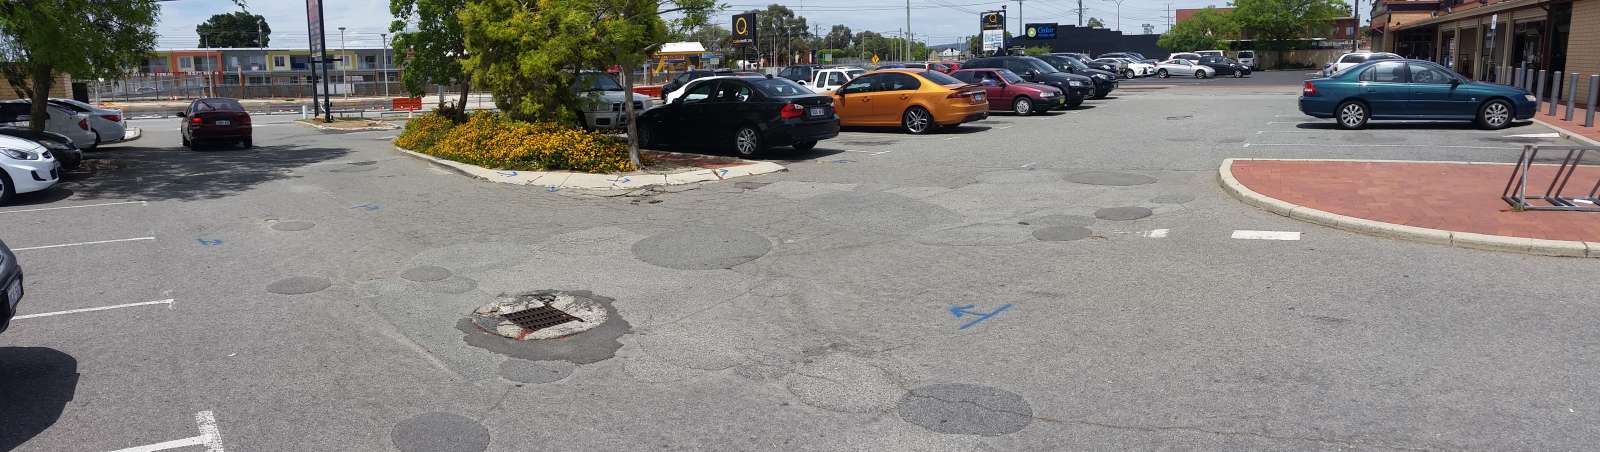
{"type": "Point", "coordinates": [1076, 87]}
{"type": "Point", "coordinates": [1104, 81]}
{"type": "Point", "coordinates": [10, 286]}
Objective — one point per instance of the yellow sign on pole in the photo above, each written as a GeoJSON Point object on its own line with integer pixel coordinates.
{"type": "Point", "coordinates": [874, 59]}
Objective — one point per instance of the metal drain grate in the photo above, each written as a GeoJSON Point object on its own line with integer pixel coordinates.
{"type": "Point", "coordinates": [535, 319]}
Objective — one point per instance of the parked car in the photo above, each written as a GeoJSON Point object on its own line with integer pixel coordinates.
{"type": "Point", "coordinates": [951, 67]}
{"type": "Point", "coordinates": [1136, 68]}
{"type": "Point", "coordinates": [602, 100]}
{"type": "Point", "coordinates": [1192, 57]}
{"type": "Point", "coordinates": [824, 81]}
{"type": "Point", "coordinates": [1247, 58]}
{"type": "Point", "coordinates": [684, 78]}
{"type": "Point", "coordinates": [1112, 67]}
{"type": "Point", "coordinates": [25, 167]}
{"type": "Point", "coordinates": [1215, 53]}
{"type": "Point", "coordinates": [1007, 91]}
{"type": "Point", "coordinates": [1076, 87]}
{"type": "Point", "coordinates": [66, 153]}
{"type": "Point", "coordinates": [215, 119]}
{"type": "Point", "coordinates": [107, 124]}
{"type": "Point", "coordinates": [918, 101]}
{"type": "Point", "coordinates": [1135, 56]}
{"type": "Point", "coordinates": [1224, 66]}
{"type": "Point", "coordinates": [1120, 66]}
{"type": "Point", "coordinates": [1104, 81]}
{"type": "Point", "coordinates": [10, 286]}
{"type": "Point", "coordinates": [1352, 59]}
{"type": "Point", "coordinates": [1414, 90]}
{"type": "Point", "coordinates": [1183, 68]}
{"type": "Point", "coordinates": [799, 72]}
{"type": "Point", "coordinates": [58, 119]}
{"type": "Point", "coordinates": [751, 114]}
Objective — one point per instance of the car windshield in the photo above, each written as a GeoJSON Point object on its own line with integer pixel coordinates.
{"type": "Point", "coordinates": [217, 105]}
{"type": "Point", "coordinates": [1072, 63]}
{"type": "Point", "coordinates": [595, 82]}
{"type": "Point", "coordinates": [1010, 77]}
{"type": "Point", "coordinates": [1039, 65]}
{"type": "Point", "coordinates": [941, 78]}
{"type": "Point", "coordinates": [779, 87]}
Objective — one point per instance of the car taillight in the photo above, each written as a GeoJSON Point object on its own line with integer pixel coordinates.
{"type": "Point", "coordinates": [1310, 90]}
{"type": "Point", "coordinates": [83, 124]}
{"type": "Point", "coordinates": [112, 118]}
{"type": "Point", "coordinates": [958, 94]}
{"type": "Point", "coordinates": [792, 111]}
{"type": "Point", "coordinates": [194, 120]}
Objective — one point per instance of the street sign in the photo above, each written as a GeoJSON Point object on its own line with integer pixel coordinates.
{"type": "Point", "coordinates": [874, 59]}
{"type": "Point", "coordinates": [405, 104]}
{"type": "Point", "coordinates": [744, 29]}
{"type": "Point", "coordinates": [992, 26]}
{"type": "Point", "coordinates": [993, 20]}
{"type": "Point", "coordinates": [314, 17]}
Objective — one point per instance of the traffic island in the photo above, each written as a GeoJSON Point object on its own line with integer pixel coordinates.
{"type": "Point", "coordinates": [661, 168]}
{"type": "Point", "coordinates": [348, 124]}
{"type": "Point", "coordinates": [1447, 203]}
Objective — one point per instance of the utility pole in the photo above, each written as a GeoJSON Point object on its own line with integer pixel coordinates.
{"type": "Point", "coordinates": [260, 42]}
{"type": "Point", "coordinates": [1119, 13]}
{"type": "Point", "coordinates": [1169, 17]}
{"type": "Point", "coordinates": [1021, 29]}
{"type": "Point", "coordinates": [1080, 13]}
{"type": "Point", "coordinates": [385, 63]}
{"type": "Point", "coordinates": [344, 70]}
{"type": "Point", "coordinates": [1355, 37]}
{"type": "Point", "coordinates": [907, 37]}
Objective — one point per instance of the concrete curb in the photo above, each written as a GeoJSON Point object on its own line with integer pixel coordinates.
{"type": "Point", "coordinates": [1564, 248]}
{"type": "Point", "coordinates": [588, 181]}
{"type": "Point", "coordinates": [347, 129]}
{"type": "Point", "coordinates": [1565, 132]}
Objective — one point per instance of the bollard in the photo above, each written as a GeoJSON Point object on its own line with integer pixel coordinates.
{"type": "Point", "coordinates": [1572, 95]}
{"type": "Point", "coordinates": [1538, 92]}
{"type": "Point", "coordinates": [1594, 96]}
{"type": "Point", "coordinates": [1519, 76]}
{"type": "Point", "coordinates": [1555, 93]}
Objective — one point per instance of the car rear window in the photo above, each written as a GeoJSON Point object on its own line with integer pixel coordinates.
{"type": "Point", "coordinates": [940, 78]}
{"type": "Point", "coordinates": [217, 105]}
{"type": "Point", "coordinates": [1246, 54]}
{"type": "Point", "coordinates": [1353, 59]}
{"type": "Point", "coordinates": [779, 87]}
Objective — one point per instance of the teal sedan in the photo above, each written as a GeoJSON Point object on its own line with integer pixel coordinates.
{"type": "Point", "coordinates": [1412, 90]}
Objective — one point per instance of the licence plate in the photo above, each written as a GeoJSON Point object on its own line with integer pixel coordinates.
{"type": "Point", "coordinates": [224, 122]}
{"type": "Point", "coordinates": [816, 112]}
{"type": "Point", "coordinates": [977, 98]}
{"type": "Point", "coordinates": [14, 294]}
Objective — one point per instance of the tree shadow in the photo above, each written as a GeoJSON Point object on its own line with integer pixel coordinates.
{"type": "Point", "coordinates": [151, 174]}
{"type": "Point", "coordinates": [54, 194]}
{"type": "Point", "coordinates": [35, 385]}
{"type": "Point", "coordinates": [1395, 125]}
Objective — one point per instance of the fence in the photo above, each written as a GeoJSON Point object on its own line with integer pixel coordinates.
{"type": "Point", "coordinates": [170, 87]}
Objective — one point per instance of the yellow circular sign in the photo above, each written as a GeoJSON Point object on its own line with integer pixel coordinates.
{"type": "Point", "coordinates": [741, 26]}
{"type": "Point", "coordinates": [1033, 32]}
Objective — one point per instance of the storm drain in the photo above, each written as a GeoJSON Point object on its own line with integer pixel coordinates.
{"type": "Point", "coordinates": [535, 319]}
{"type": "Point", "coordinates": [539, 315]}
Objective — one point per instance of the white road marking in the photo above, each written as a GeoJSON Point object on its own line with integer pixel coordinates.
{"type": "Point", "coordinates": [1284, 122]}
{"type": "Point", "coordinates": [1153, 233]}
{"type": "Point", "coordinates": [210, 437]}
{"type": "Point", "coordinates": [98, 242]}
{"type": "Point", "coordinates": [1247, 145]}
{"type": "Point", "coordinates": [868, 152]}
{"type": "Point", "coordinates": [1536, 135]}
{"type": "Point", "coordinates": [951, 138]}
{"type": "Point", "coordinates": [142, 203]}
{"type": "Point", "coordinates": [1497, 148]}
{"type": "Point", "coordinates": [1004, 128]}
{"type": "Point", "coordinates": [167, 302]}
{"type": "Point", "coordinates": [1029, 164]}
{"type": "Point", "coordinates": [1265, 235]}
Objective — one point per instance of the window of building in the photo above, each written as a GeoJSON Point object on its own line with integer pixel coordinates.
{"type": "Point", "coordinates": [280, 61]}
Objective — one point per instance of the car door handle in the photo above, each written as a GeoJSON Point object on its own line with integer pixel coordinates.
{"type": "Point", "coordinates": [904, 97]}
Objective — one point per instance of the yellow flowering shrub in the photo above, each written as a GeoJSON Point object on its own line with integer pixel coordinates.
{"type": "Point", "coordinates": [493, 141]}
{"type": "Point", "coordinates": [423, 131]}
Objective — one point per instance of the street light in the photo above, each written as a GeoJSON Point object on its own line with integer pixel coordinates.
{"type": "Point", "coordinates": [385, 63]}
{"type": "Point", "coordinates": [344, 69]}
{"type": "Point", "coordinates": [1119, 13]}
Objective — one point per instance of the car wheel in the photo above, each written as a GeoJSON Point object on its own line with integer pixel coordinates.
{"type": "Point", "coordinates": [184, 138]}
{"type": "Point", "coordinates": [647, 139]}
{"type": "Point", "coordinates": [247, 143]}
{"type": "Point", "coordinates": [1074, 103]}
{"type": "Point", "coordinates": [1127, 73]}
{"type": "Point", "coordinates": [1352, 115]}
{"type": "Point", "coordinates": [1494, 115]}
{"type": "Point", "coordinates": [805, 146]}
{"type": "Point", "coordinates": [1162, 73]}
{"type": "Point", "coordinates": [916, 121]}
{"type": "Point", "coordinates": [96, 139]}
{"type": "Point", "coordinates": [1199, 74]}
{"type": "Point", "coordinates": [747, 142]}
{"type": "Point", "coordinates": [1022, 106]}
{"type": "Point", "coordinates": [6, 191]}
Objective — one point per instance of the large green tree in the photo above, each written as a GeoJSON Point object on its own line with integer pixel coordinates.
{"type": "Point", "coordinates": [1276, 23]}
{"type": "Point", "coordinates": [431, 51]}
{"type": "Point", "coordinates": [1095, 22]}
{"type": "Point", "coordinates": [780, 33]}
{"type": "Point", "coordinates": [43, 39]}
{"type": "Point", "coordinates": [1207, 29]}
{"type": "Point", "coordinates": [235, 29]}
{"type": "Point", "coordinates": [838, 37]}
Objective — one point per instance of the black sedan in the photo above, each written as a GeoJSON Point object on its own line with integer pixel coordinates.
{"type": "Point", "coordinates": [1225, 66]}
{"type": "Point", "coordinates": [67, 153]}
{"type": "Point", "coordinates": [1104, 81]}
{"type": "Point", "coordinates": [10, 286]}
{"type": "Point", "coordinates": [689, 76]}
{"type": "Point", "coordinates": [748, 113]}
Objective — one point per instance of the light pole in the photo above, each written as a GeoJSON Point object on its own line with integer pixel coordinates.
{"type": "Point", "coordinates": [344, 69]}
{"type": "Point", "coordinates": [385, 63]}
{"type": "Point", "coordinates": [1119, 13]}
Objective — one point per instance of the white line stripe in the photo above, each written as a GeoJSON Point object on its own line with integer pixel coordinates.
{"type": "Point", "coordinates": [142, 203]}
{"type": "Point", "coordinates": [167, 302]}
{"type": "Point", "coordinates": [84, 243]}
{"type": "Point", "coordinates": [1155, 233]}
{"type": "Point", "coordinates": [174, 444]}
{"type": "Point", "coordinates": [1497, 148]}
{"type": "Point", "coordinates": [1265, 235]}
{"type": "Point", "coordinates": [1535, 135]}
{"type": "Point", "coordinates": [209, 430]}
{"type": "Point", "coordinates": [1004, 128]}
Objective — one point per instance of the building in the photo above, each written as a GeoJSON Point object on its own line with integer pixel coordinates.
{"type": "Point", "coordinates": [1476, 37]}
{"type": "Point", "coordinates": [260, 72]}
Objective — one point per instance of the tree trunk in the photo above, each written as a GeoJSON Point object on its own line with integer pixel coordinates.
{"type": "Point", "coordinates": [466, 86]}
{"type": "Point", "coordinates": [41, 96]}
{"type": "Point", "coordinates": [633, 123]}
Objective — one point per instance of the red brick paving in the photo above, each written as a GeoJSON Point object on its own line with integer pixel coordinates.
{"type": "Point", "coordinates": [1448, 196]}
{"type": "Point", "coordinates": [1575, 126]}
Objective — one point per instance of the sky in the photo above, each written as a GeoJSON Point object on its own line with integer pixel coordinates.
{"type": "Point", "coordinates": [933, 21]}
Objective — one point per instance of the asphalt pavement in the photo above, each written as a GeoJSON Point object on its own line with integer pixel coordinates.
{"type": "Point", "coordinates": [1070, 281]}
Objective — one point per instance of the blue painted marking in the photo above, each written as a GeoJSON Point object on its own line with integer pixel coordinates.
{"type": "Point", "coordinates": [964, 310]}
{"type": "Point", "coordinates": [843, 161]}
{"type": "Point", "coordinates": [723, 171]}
{"type": "Point", "coordinates": [209, 242]}
{"type": "Point", "coordinates": [367, 207]}
{"type": "Point", "coordinates": [507, 173]}
{"type": "Point", "coordinates": [552, 189]}
{"type": "Point", "coordinates": [620, 180]}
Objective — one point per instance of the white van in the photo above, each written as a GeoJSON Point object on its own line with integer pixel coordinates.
{"type": "Point", "coordinates": [1247, 58]}
{"type": "Point", "coordinates": [1217, 53]}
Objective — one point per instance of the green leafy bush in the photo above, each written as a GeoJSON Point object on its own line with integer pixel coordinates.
{"type": "Point", "coordinates": [493, 141]}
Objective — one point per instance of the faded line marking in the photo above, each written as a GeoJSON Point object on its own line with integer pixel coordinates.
{"type": "Point", "coordinates": [1153, 233]}
{"type": "Point", "coordinates": [1495, 148]}
{"type": "Point", "coordinates": [1004, 128]}
{"type": "Point", "coordinates": [1536, 135]}
{"type": "Point", "coordinates": [142, 203]}
{"type": "Point", "coordinates": [210, 437]}
{"type": "Point", "coordinates": [1265, 235]}
{"type": "Point", "coordinates": [98, 242]}
{"type": "Point", "coordinates": [167, 302]}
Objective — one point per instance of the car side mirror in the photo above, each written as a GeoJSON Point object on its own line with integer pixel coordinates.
{"type": "Point", "coordinates": [801, 82]}
{"type": "Point", "coordinates": [182, 114]}
{"type": "Point", "coordinates": [679, 100]}
{"type": "Point", "coordinates": [1455, 81]}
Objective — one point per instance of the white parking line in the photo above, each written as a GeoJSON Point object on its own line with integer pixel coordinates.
{"type": "Point", "coordinates": [167, 302]}
{"type": "Point", "coordinates": [142, 203]}
{"type": "Point", "coordinates": [1153, 233]}
{"type": "Point", "coordinates": [1004, 128]}
{"type": "Point", "coordinates": [1497, 148]}
{"type": "Point", "coordinates": [1265, 235]}
{"type": "Point", "coordinates": [210, 437]}
{"type": "Point", "coordinates": [1536, 135]}
{"type": "Point", "coordinates": [98, 242]}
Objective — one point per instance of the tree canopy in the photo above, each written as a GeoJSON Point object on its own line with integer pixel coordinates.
{"type": "Point", "coordinates": [87, 39]}
{"type": "Point", "coordinates": [235, 29]}
{"type": "Point", "coordinates": [1277, 22]}
{"type": "Point", "coordinates": [1095, 22]}
{"type": "Point", "coordinates": [1207, 29]}
{"type": "Point", "coordinates": [432, 52]}
{"type": "Point", "coordinates": [838, 37]}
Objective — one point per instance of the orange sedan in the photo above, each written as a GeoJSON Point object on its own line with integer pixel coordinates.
{"type": "Point", "coordinates": [913, 99]}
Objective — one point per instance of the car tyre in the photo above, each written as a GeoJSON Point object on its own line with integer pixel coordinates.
{"type": "Point", "coordinates": [1127, 73]}
{"type": "Point", "coordinates": [96, 140]}
{"type": "Point", "coordinates": [1199, 74]}
{"type": "Point", "coordinates": [184, 139]}
{"type": "Point", "coordinates": [1074, 103]}
{"type": "Point", "coordinates": [647, 138]}
{"type": "Point", "coordinates": [247, 143]}
{"type": "Point", "coordinates": [1022, 106]}
{"type": "Point", "coordinates": [6, 190]}
{"type": "Point", "coordinates": [1495, 115]}
{"type": "Point", "coordinates": [1162, 73]}
{"type": "Point", "coordinates": [747, 142]}
{"type": "Point", "coordinates": [916, 121]}
{"type": "Point", "coordinates": [805, 146]}
{"type": "Point", "coordinates": [1352, 115]}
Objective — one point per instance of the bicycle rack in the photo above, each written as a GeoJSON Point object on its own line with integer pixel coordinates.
{"type": "Point", "coordinates": [1516, 191]}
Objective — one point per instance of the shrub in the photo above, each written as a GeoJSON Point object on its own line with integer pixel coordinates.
{"type": "Point", "coordinates": [491, 140]}
{"type": "Point", "coordinates": [423, 132]}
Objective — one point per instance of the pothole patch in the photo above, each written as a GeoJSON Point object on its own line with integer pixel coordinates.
{"type": "Point", "coordinates": [1062, 233]}
{"type": "Point", "coordinates": [1122, 213]}
{"type": "Point", "coordinates": [706, 248]}
{"type": "Point", "coordinates": [439, 432]}
{"type": "Point", "coordinates": [1109, 178]}
{"type": "Point", "coordinates": [965, 409]}
{"type": "Point", "coordinates": [520, 325]}
{"type": "Point", "coordinates": [1175, 198]}
{"type": "Point", "coordinates": [535, 372]}
{"type": "Point", "coordinates": [426, 273]}
{"type": "Point", "coordinates": [298, 285]}
{"type": "Point", "coordinates": [844, 384]}
{"type": "Point", "coordinates": [1060, 220]}
{"type": "Point", "coordinates": [293, 226]}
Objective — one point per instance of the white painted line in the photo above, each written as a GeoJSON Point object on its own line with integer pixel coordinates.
{"type": "Point", "coordinates": [1265, 235]}
{"type": "Point", "coordinates": [1247, 145]}
{"type": "Point", "coordinates": [210, 437]}
{"type": "Point", "coordinates": [98, 242]}
{"type": "Point", "coordinates": [1155, 233]}
{"type": "Point", "coordinates": [167, 302]}
{"type": "Point", "coordinates": [142, 203]}
{"type": "Point", "coordinates": [174, 444]}
{"type": "Point", "coordinates": [1497, 148]}
{"type": "Point", "coordinates": [951, 138]}
{"type": "Point", "coordinates": [1536, 135]}
{"type": "Point", "coordinates": [1004, 128]}
{"type": "Point", "coordinates": [1029, 164]}
{"type": "Point", "coordinates": [1284, 122]}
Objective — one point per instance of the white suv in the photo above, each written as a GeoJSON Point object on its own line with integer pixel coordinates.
{"type": "Point", "coordinates": [824, 81]}
{"type": "Point", "coordinates": [1352, 59]}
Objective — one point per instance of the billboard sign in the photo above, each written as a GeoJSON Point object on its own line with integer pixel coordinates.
{"type": "Point", "coordinates": [993, 30]}
{"type": "Point", "coordinates": [314, 17]}
{"type": "Point", "coordinates": [744, 29]}
{"type": "Point", "coordinates": [1040, 31]}
{"type": "Point", "coordinates": [994, 20]}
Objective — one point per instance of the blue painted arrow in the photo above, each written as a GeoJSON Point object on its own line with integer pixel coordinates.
{"type": "Point", "coordinates": [205, 242]}
{"type": "Point", "coordinates": [960, 311]}
{"type": "Point", "coordinates": [507, 173]}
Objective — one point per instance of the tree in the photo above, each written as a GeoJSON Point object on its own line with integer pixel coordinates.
{"type": "Point", "coordinates": [1036, 51]}
{"type": "Point", "coordinates": [1148, 29]}
{"type": "Point", "coordinates": [838, 38]}
{"type": "Point", "coordinates": [1095, 22]}
{"type": "Point", "coordinates": [781, 33]}
{"type": "Point", "coordinates": [1206, 29]}
{"type": "Point", "coordinates": [235, 29]}
{"type": "Point", "coordinates": [1276, 23]}
{"type": "Point", "coordinates": [432, 52]}
{"type": "Point", "coordinates": [87, 39]}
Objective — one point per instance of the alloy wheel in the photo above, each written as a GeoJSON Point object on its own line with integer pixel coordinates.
{"type": "Point", "coordinates": [1496, 115]}
{"type": "Point", "coordinates": [1023, 106]}
{"type": "Point", "coordinates": [747, 141]}
{"type": "Point", "coordinates": [1352, 114]}
{"type": "Point", "coordinates": [916, 120]}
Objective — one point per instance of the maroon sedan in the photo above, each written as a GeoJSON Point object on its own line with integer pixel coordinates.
{"type": "Point", "coordinates": [215, 120]}
{"type": "Point", "coordinates": [1009, 92]}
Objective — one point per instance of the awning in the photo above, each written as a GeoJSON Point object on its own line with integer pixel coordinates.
{"type": "Point", "coordinates": [1473, 13]}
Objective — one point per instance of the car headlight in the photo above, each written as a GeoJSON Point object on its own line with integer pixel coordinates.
{"type": "Point", "coordinates": [1530, 98]}
{"type": "Point", "coordinates": [1047, 94]}
{"type": "Point", "coordinates": [1101, 76]}
{"type": "Point", "coordinates": [1075, 83]}
{"type": "Point", "coordinates": [19, 154]}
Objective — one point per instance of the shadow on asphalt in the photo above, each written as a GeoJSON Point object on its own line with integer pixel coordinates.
{"type": "Point", "coordinates": [150, 174]}
{"type": "Point", "coordinates": [1329, 124]}
{"type": "Point", "coordinates": [35, 385]}
{"type": "Point", "coordinates": [42, 197]}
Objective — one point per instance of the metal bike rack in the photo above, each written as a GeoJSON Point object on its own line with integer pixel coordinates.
{"type": "Point", "coordinates": [1516, 192]}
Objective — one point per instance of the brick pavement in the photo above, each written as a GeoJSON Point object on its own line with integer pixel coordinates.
{"type": "Point", "coordinates": [1575, 126]}
{"type": "Point", "coordinates": [1447, 196]}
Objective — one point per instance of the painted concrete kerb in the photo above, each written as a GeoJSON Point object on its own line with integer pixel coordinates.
{"type": "Point", "coordinates": [1566, 133]}
{"type": "Point", "coordinates": [587, 181]}
{"type": "Point", "coordinates": [347, 129]}
{"type": "Point", "coordinates": [1566, 248]}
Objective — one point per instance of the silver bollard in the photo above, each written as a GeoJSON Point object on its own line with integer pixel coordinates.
{"type": "Point", "coordinates": [1519, 77]}
{"type": "Point", "coordinates": [1538, 92]}
{"type": "Point", "coordinates": [1594, 97]}
{"type": "Point", "coordinates": [1572, 95]}
{"type": "Point", "coordinates": [1555, 93]}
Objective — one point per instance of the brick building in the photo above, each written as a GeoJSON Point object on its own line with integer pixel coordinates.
{"type": "Point", "coordinates": [1475, 37]}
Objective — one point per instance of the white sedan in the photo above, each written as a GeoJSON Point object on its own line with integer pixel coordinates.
{"type": "Point", "coordinates": [59, 119]}
{"type": "Point", "coordinates": [1183, 68]}
{"type": "Point", "coordinates": [1135, 67]}
{"type": "Point", "coordinates": [25, 167]}
{"type": "Point", "coordinates": [109, 126]}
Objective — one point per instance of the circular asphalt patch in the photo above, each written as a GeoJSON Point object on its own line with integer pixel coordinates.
{"type": "Point", "coordinates": [966, 409]}
{"type": "Point", "coordinates": [535, 372]}
{"type": "Point", "coordinates": [1062, 233]}
{"type": "Point", "coordinates": [703, 248]}
{"type": "Point", "coordinates": [293, 225]}
{"type": "Point", "coordinates": [1109, 178]}
{"type": "Point", "coordinates": [439, 432]}
{"type": "Point", "coordinates": [1176, 198]}
{"type": "Point", "coordinates": [298, 285]}
{"type": "Point", "coordinates": [1122, 213]}
{"type": "Point", "coordinates": [1061, 220]}
{"type": "Point", "coordinates": [426, 273]}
